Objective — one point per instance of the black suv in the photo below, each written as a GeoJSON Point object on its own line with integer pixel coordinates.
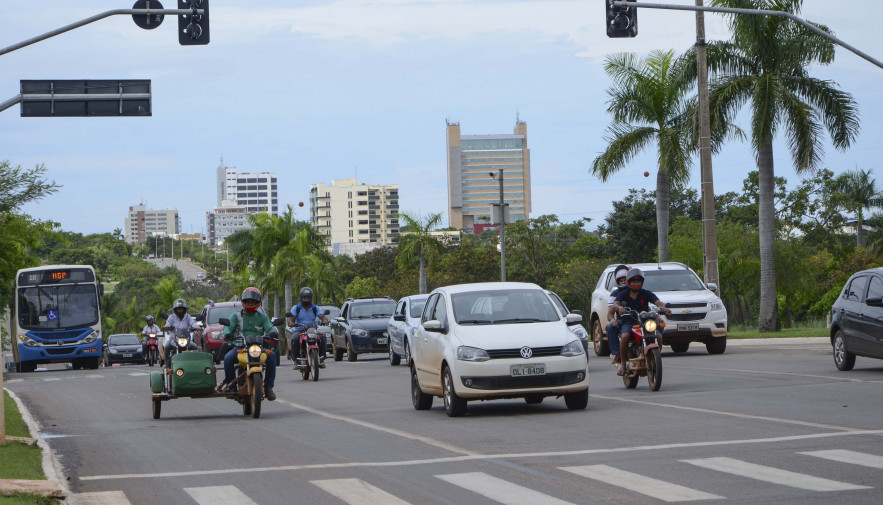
{"type": "Point", "coordinates": [361, 327]}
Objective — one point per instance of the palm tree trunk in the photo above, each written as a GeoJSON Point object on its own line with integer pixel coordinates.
{"type": "Point", "coordinates": [275, 303]}
{"type": "Point", "coordinates": [422, 274]}
{"type": "Point", "coordinates": [768, 317]}
{"type": "Point", "coordinates": [663, 204]}
{"type": "Point", "coordinates": [860, 230]}
{"type": "Point", "coordinates": [288, 300]}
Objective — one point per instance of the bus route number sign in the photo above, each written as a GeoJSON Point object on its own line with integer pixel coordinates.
{"type": "Point", "coordinates": [58, 275]}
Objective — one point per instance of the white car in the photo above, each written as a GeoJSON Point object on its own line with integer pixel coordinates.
{"type": "Point", "coordinates": [401, 327]}
{"type": "Point", "coordinates": [496, 340]}
{"type": "Point", "coordinates": [698, 314]}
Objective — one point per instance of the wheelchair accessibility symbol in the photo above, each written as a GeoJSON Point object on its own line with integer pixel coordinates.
{"type": "Point", "coordinates": [52, 315]}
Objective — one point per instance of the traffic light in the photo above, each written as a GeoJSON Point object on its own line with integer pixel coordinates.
{"type": "Point", "coordinates": [193, 28]}
{"type": "Point", "coordinates": [621, 21]}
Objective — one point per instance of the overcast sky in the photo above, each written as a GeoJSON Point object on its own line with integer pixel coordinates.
{"type": "Point", "coordinates": [316, 90]}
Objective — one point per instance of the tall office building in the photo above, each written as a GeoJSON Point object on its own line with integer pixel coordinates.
{"type": "Point", "coordinates": [351, 213]}
{"type": "Point", "coordinates": [142, 223]}
{"type": "Point", "coordinates": [471, 190]}
{"type": "Point", "coordinates": [223, 222]}
{"type": "Point", "coordinates": [255, 192]}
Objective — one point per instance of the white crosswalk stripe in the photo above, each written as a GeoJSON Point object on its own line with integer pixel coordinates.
{"type": "Point", "coordinates": [137, 374]}
{"type": "Point", "coordinates": [99, 498]}
{"type": "Point", "coordinates": [357, 492]}
{"type": "Point", "coordinates": [662, 490]}
{"type": "Point", "coordinates": [500, 490]}
{"type": "Point", "coordinates": [772, 475]}
{"type": "Point", "coordinates": [844, 456]}
{"type": "Point", "coordinates": [219, 495]}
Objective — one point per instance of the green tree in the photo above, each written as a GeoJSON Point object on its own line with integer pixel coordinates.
{"type": "Point", "coordinates": [418, 244]}
{"type": "Point", "coordinates": [23, 186]}
{"type": "Point", "coordinates": [535, 247]}
{"type": "Point", "coordinates": [649, 105]}
{"type": "Point", "coordinates": [363, 288]}
{"type": "Point", "coordinates": [858, 191]}
{"type": "Point", "coordinates": [765, 64]}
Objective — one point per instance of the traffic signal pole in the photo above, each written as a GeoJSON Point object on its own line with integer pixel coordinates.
{"type": "Point", "coordinates": [97, 17]}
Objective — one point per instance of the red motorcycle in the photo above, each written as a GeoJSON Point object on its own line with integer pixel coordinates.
{"type": "Point", "coordinates": [308, 343]}
{"type": "Point", "coordinates": [644, 358]}
{"type": "Point", "coordinates": [151, 349]}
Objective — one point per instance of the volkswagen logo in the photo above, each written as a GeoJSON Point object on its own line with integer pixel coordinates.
{"type": "Point", "coordinates": [526, 352]}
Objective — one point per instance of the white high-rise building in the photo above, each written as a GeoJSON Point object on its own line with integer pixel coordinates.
{"type": "Point", "coordinates": [254, 192]}
{"type": "Point", "coordinates": [142, 223]}
{"type": "Point", "coordinates": [351, 213]}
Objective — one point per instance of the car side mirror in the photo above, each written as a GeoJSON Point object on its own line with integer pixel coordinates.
{"type": "Point", "coordinates": [224, 321]}
{"type": "Point", "coordinates": [874, 302]}
{"type": "Point", "coordinates": [574, 319]}
{"type": "Point", "coordinates": [578, 312]}
{"type": "Point", "coordinates": [278, 321]}
{"type": "Point", "coordinates": [199, 325]}
{"type": "Point", "coordinates": [200, 318]}
{"type": "Point", "coordinates": [398, 317]}
{"type": "Point", "coordinates": [712, 287]}
{"type": "Point", "coordinates": [340, 319]}
{"type": "Point", "coordinates": [434, 325]}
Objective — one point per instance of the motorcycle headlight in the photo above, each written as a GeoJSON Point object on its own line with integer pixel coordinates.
{"type": "Point", "coordinates": [254, 351]}
{"type": "Point", "coordinates": [360, 333]}
{"type": "Point", "coordinates": [718, 305]}
{"type": "Point", "coordinates": [90, 338]}
{"type": "Point", "coordinates": [311, 332]}
{"type": "Point", "coordinates": [574, 348]}
{"type": "Point", "coordinates": [465, 353]}
{"type": "Point", "coordinates": [650, 325]}
{"type": "Point", "coordinates": [28, 341]}
{"type": "Point", "coordinates": [182, 342]}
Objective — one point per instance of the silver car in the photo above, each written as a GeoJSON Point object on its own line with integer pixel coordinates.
{"type": "Point", "coordinates": [401, 327]}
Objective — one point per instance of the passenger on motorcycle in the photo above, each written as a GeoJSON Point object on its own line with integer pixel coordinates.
{"type": "Point", "coordinates": [614, 322]}
{"type": "Point", "coordinates": [179, 320]}
{"type": "Point", "coordinates": [251, 322]}
{"type": "Point", "coordinates": [638, 300]}
{"type": "Point", "coordinates": [151, 327]}
{"type": "Point", "coordinates": [306, 312]}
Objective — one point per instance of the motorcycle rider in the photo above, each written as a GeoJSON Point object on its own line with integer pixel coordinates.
{"type": "Point", "coordinates": [251, 322]}
{"type": "Point", "coordinates": [179, 320]}
{"type": "Point", "coordinates": [638, 300]}
{"type": "Point", "coordinates": [151, 327]}
{"type": "Point", "coordinates": [614, 323]}
{"type": "Point", "coordinates": [306, 312]}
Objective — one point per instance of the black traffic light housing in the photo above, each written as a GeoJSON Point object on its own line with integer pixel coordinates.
{"type": "Point", "coordinates": [621, 21]}
{"type": "Point", "coordinates": [193, 28]}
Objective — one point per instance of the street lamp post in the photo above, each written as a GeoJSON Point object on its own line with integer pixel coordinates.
{"type": "Point", "coordinates": [499, 177]}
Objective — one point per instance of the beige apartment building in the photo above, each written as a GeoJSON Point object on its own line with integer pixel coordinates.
{"type": "Point", "coordinates": [472, 190]}
{"type": "Point", "coordinates": [142, 223]}
{"type": "Point", "coordinates": [351, 213]}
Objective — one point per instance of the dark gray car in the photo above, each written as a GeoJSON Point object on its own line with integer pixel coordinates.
{"type": "Point", "coordinates": [857, 319]}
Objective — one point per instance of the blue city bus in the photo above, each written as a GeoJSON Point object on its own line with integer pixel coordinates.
{"type": "Point", "coordinates": [56, 317]}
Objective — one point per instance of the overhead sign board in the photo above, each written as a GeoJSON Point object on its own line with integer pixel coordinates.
{"type": "Point", "coordinates": [85, 98]}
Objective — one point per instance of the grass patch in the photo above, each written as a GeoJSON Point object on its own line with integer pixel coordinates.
{"type": "Point", "coordinates": [27, 499]}
{"type": "Point", "coordinates": [785, 333]}
{"type": "Point", "coordinates": [18, 460]}
{"type": "Point", "coordinates": [15, 425]}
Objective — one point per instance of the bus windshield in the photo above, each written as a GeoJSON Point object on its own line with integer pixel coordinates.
{"type": "Point", "coordinates": [57, 307]}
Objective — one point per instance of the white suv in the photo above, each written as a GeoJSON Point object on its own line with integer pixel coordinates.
{"type": "Point", "coordinates": [698, 314]}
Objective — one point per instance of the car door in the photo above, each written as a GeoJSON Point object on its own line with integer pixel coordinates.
{"type": "Point", "coordinates": [871, 320]}
{"type": "Point", "coordinates": [394, 330]}
{"type": "Point", "coordinates": [850, 311]}
{"type": "Point", "coordinates": [338, 329]}
{"type": "Point", "coordinates": [436, 343]}
{"type": "Point", "coordinates": [600, 295]}
{"type": "Point", "coordinates": [421, 340]}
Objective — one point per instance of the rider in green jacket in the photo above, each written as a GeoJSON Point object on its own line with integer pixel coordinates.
{"type": "Point", "coordinates": [250, 322]}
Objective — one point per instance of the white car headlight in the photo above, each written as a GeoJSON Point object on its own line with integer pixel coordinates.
{"type": "Point", "coordinates": [465, 353]}
{"type": "Point", "coordinates": [254, 351]}
{"type": "Point", "coordinates": [718, 305]}
{"type": "Point", "coordinates": [574, 348]}
{"type": "Point", "coordinates": [90, 338]}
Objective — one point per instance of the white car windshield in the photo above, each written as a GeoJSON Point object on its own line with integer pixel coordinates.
{"type": "Point", "coordinates": [509, 306]}
{"type": "Point", "coordinates": [671, 280]}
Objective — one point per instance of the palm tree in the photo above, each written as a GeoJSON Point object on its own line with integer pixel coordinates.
{"type": "Point", "coordinates": [858, 192]}
{"type": "Point", "coordinates": [291, 261]}
{"type": "Point", "coordinates": [649, 106]}
{"type": "Point", "coordinates": [272, 234]}
{"type": "Point", "coordinates": [417, 242]}
{"type": "Point", "coordinates": [765, 64]}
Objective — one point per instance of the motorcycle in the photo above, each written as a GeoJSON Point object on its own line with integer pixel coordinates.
{"type": "Point", "coordinates": [308, 341]}
{"type": "Point", "coordinates": [151, 349]}
{"type": "Point", "coordinates": [252, 359]}
{"type": "Point", "coordinates": [644, 358]}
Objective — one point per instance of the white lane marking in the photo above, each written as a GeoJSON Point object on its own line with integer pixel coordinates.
{"type": "Point", "coordinates": [357, 492]}
{"type": "Point", "coordinates": [731, 414]}
{"type": "Point", "coordinates": [384, 429]}
{"type": "Point", "coordinates": [53, 379]}
{"type": "Point", "coordinates": [219, 495]}
{"type": "Point", "coordinates": [790, 374]}
{"type": "Point", "coordinates": [94, 376]}
{"type": "Point", "coordinates": [475, 457]}
{"type": "Point", "coordinates": [654, 488]}
{"type": "Point", "coordinates": [99, 498]}
{"type": "Point", "coordinates": [10, 381]}
{"type": "Point", "coordinates": [844, 456]}
{"type": "Point", "coordinates": [772, 475]}
{"type": "Point", "coordinates": [137, 374]}
{"type": "Point", "coordinates": [500, 490]}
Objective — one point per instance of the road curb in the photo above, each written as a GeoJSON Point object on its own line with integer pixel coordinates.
{"type": "Point", "coordinates": [51, 464]}
{"type": "Point", "coordinates": [779, 341]}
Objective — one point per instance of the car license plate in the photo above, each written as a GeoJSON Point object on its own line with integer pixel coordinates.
{"type": "Point", "coordinates": [381, 340]}
{"type": "Point", "coordinates": [127, 355]}
{"type": "Point", "coordinates": [525, 370]}
{"type": "Point", "coordinates": [688, 327]}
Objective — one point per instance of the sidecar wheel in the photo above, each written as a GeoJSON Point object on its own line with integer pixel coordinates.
{"type": "Point", "coordinates": [157, 408]}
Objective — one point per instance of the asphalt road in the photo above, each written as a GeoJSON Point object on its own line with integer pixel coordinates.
{"type": "Point", "coordinates": [759, 424]}
{"type": "Point", "coordinates": [189, 270]}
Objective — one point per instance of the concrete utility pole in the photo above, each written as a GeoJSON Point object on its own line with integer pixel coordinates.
{"type": "Point", "coordinates": [709, 230]}
{"type": "Point", "coordinates": [502, 215]}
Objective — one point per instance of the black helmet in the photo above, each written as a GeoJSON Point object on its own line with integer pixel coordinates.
{"type": "Point", "coordinates": [149, 319]}
{"type": "Point", "coordinates": [306, 293]}
{"type": "Point", "coordinates": [179, 304]}
{"type": "Point", "coordinates": [620, 271]}
{"type": "Point", "coordinates": [635, 273]}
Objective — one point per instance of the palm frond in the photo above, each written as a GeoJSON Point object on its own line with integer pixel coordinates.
{"type": "Point", "coordinates": [623, 143]}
